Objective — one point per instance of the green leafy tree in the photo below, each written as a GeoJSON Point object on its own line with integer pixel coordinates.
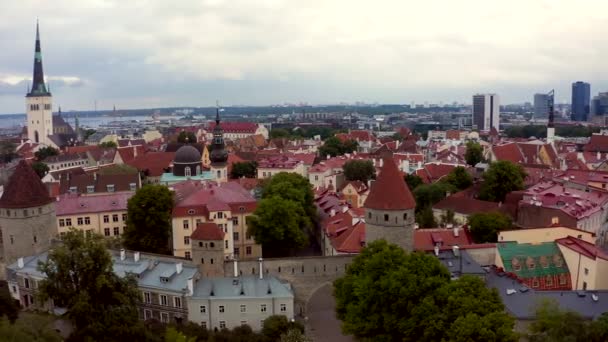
{"type": "Point", "coordinates": [459, 178]}
{"type": "Point", "coordinates": [484, 227]}
{"type": "Point", "coordinates": [248, 169]}
{"type": "Point", "coordinates": [474, 153]}
{"type": "Point", "coordinates": [291, 186]}
{"type": "Point", "coordinates": [359, 170]}
{"type": "Point", "coordinates": [8, 305]}
{"type": "Point", "coordinates": [7, 151]}
{"type": "Point", "coordinates": [173, 335]}
{"type": "Point", "coordinates": [108, 144]}
{"type": "Point", "coordinates": [149, 220]}
{"type": "Point", "coordinates": [276, 133]}
{"type": "Point", "coordinates": [335, 147]}
{"type": "Point", "coordinates": [448, 217]}
{"type": "Point", "coordinates": [88, 133]}
{"type": "Point", "coordinates": [45, 152]}
{"type": "Point", "coordinates": [40, 168]}
{"type": "Point", "coordinates": [552, 324]}
{"type": "Point", "coordinates": [186, 137]}
{"type": "Point", "coordinates": [412, 181]}
{"type": "Point", "coordinates": [275, 326]}
{"type": "Point", "coordinates": [388, 295]}
{"type": "Point", "coordinates": [501, 178]}
{"type": "Point", "coordinates": [427, 195]}
{"type": "Point", "coordinates": [425, 218]}
{"type": "Point", "coordinates": [294, 335]}
{"type": "Point", "coordinates": [79, 276]}
{"type": "Point", "coordinates": [30, 327]}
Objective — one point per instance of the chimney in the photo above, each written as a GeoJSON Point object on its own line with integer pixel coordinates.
{"type": "Point", "coordinates": [236, 267]}
{"type": "Point", "coordinates": [374, 162]}
{"type": "Point", "coordinates": [94, 175]}
{"type": "Point", "coordinates": [332, 213]}
{"type": "Point", "coordinates": [381, 162]}
{"type": "Point", "coordinates": [436, 250]}
{"type": "Point", "coordinates": [456, 251]}
{"type": "Point", "coordinates": [20, 263]}
{"type": "Point", "coordinates": [190, 287]}
{"type": "Point", "coordinates": [134, 151]}
{"type": "Point", "coordinates": [178, 267]}
{"type": "Point", "coordinates": [261, 268]}
{"type": "Point", "coordinates": [123, 254]}
{"type": "Point", "coordinates": [136, 256]}
{"type": "Point", "coordinates": [420, 165]}
{"type": "Point", "coordinates": [599, 155]}
{"type": "Point", "coordinates": [456, 231]}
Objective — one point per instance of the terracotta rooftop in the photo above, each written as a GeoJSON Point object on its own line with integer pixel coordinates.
{"type": "Point", "coordinates": [427, 239]}
{"type": "Point", "coordinates": [583, 247]}
{"type": "Point", "coordinates": [597, 143]}
{"type": "Point", "coordinates": [207, 231]}
{"type": "Point", "coordinates": [154, 163]}
{"type": "Point", "coordinates": [465, 205]}
{"type": "Point", "coordinates": [510, 152]}
{"type": "Point", "coordinates": [389, 191]}
{"type": "Point", "coordinates": [236, 127]}
{"type": "Point", "coordinates": [24, 189]}
{"type": "Point", "coordinates": [73, 204]}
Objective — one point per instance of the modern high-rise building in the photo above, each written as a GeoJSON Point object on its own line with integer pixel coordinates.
{"type": "Point", "coordinates": [486, 112]}
{"type": "Point", "coordinates": [581, 96]}
{"type": "Point", "coordinates": [541, 105]}
{"type": "Point", "coordinates": [599, 104]}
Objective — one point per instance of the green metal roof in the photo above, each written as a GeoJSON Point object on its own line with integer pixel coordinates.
{"type": "Point", "coordinates": [521, 251]}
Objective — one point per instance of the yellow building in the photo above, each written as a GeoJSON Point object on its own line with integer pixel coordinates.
{"type": "Point", "coordinates": [225, 204]}
{"type": "Point", "coordinates": [102, 214]}
{"type": "Point", "coordinates": [547, 234]}
{"type": "Point", "coordinates": [588, 264]}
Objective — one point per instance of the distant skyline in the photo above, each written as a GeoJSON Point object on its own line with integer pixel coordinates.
{"type": "Point", "coordinates": [144, 54]}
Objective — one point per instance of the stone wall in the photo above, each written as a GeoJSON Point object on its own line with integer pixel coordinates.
{"type": "Point", "coordinates": [305, 274]}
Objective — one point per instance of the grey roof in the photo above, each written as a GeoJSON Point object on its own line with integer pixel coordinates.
{"type": "Point", "coordinates": [461, 264]}
{"type": "Point", "coordinates": [148, 270]}
{"type": "Point", "coordinates": [522, 303]}
{"type": "Point", "coordinates": [242, 287]}
{"type": "Point", "coordinates": [187, 154]}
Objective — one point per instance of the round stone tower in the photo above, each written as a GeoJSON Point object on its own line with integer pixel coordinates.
{"type": "Point", "coordinates": [389, 208]}
{"type": "Point", "coordinates": [27, 215]}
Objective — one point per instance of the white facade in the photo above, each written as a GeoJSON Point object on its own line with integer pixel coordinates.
{"type": "Point", "coordinates": [39, 111]}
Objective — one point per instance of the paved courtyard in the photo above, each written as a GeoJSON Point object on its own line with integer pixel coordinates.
{"type": "Point", "coordinates": [322, 325]}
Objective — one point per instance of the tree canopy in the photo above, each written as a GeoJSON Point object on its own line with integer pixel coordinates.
{"type": "Point", "coordinates": [8, 305]}
{"type": "Point", "coordinates": [361, 170]}
{"type": "Point", "coordinates": [279, 133]}
{"type": "Point", "coordinates": [149, 220]}
{"type": "Point", "coordinates": [45, 152]}
{"type": "Point", "coordinates": [459, 178]}
{"type": "Point", "coordinates": [7, 151]}
{"type": "Point", "coordinates": [501, 178]}
{"type": "Point", "coordinates": [412, 181]}
{"type": "Point", "coordinates": [484, 227]}
{"type": "Point", "coordinates": [389, 295]}
{"type": "Point", "coordinates": [283, 219]}
{"type": "Point", "coordinates": [108, 144]}
{"type": "Point", "coordinates": [540, 131]}
{"type": "Point", "coordinates": [247, 169]}
{"type": "Point", "coordinates": [40, 168]}
{"type": "Point", "coordinates": [79, 276]}
{"type": "Point", "coordinates": [186, 137]}
{"type": "Point", "coordinates": [335, 147]}
{"type": "Point", "coordinates": [474, 153]}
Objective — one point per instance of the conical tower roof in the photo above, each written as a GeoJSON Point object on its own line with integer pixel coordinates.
{"type": "Point", "coordinates": [389, 191]}
{"type": "Point", "coordinates": [39, 88]}
{"type": "Point", "coordinates": [24, 189]}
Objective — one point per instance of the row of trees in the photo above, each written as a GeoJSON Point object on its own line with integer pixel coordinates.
{"type": "Point", "coordinates": [285, 216]}
{"type": "Point", "coordinates": [301, 133]}
{"type": "Point", "coordinates": [335, 147]}
{"type": "Point", "coordinates": [540, 131]}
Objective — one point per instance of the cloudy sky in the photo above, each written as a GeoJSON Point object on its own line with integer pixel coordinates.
{"type": "Point", "coordinates": [150, 53]}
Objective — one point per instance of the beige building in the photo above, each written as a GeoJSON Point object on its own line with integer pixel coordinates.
{"type": "Point", "coordinates": [104, 214]}
{"type": "Point", "coordinates": [225, 204]}
{"type": "Point", "coordinates": [270, 166]}
{"type": "Point", "coordinates": [539, 235]}
{"type": "Point", "coordinates": [588, 264]}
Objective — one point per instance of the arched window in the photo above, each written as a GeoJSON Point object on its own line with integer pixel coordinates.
{"type": "Point", "coordinates": [219, 174]}
{"type": "Point", "coordinates": [405, 217]}
{"type": "Point", "coordinates": [187, 171]}
{"type": "Point", "coordinates": [386, 217]}
{"type": "Point", "coordinates": [36, 137]}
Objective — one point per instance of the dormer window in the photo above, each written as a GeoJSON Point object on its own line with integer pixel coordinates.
{"type": "Point", "coordinates": [110, 187]}
{"type": "Point", "coordinates": [191, 212]}
{"type": "Point", "coordinates": [90, 189]}
{"type": "Point", "coordinates": [132, 186]}
{"type": "Point", "coordinates": [164, 279]}
{"type": "Point", "coordinates": [73, 189]}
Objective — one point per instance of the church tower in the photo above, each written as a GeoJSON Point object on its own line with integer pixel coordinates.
{"type": "Point", "coordinates": [389, 208]}
{"type": "Point", "coordinates": [551, 124]}
{"type": "Point", "coordinates": [39, 102]}
{"type": "Point", "coordinates": [218, 155]}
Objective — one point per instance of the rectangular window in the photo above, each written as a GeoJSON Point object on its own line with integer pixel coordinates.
{"type": "Point", "coordinates": [116, 231]}
{"type": "Point", "coordinates": [186, 224]}
{"type": "Point", "coordinates": [147, 314]}
{"type": "Point", "coordinates": [90, 189]}
{"type": "Point", "coordinates": [186, 240]}
{"type": "Point", "coordinates": [26, 283]}
{"type": "Point", "coordinates": [106, 218]}
{"type": "Point", "coordinates": [106, 231]}
{"type": "Point", "coordinates": [187, 255]}
{"type": "Point", "coordinates": [222, 324]}
{"type": "Point", "coordinates": [80, 221]}
{"type": "Point", "coordinates": [283, 307]}
{"type": "Point", "coordinates": [237, 251]}
{"type": "Point", "coordinates": [248, 250]}
{"type": "Point", "coordinates": [132, 186]}
{"type": "Point", "coordinates": [586, 271]}
{"type": "Point", "coordinates": [235, 221]}
{"type": "Point", "coordinates": [235, 236]}
{"type": "Point", "coordinates": [61, 223]}
{"type": "Point", "coordinates": [204, 325]}
{"type": "Point", "coordinates": [115, 218]}
{"type": "Point", "coordinates": [221, 309]}
{"type": "Point", "coordinates": [87, 220]}
{"type": "Point", "coordinates": [178, 302]}
{"type": "Point", "coordinates": [226, 244]}
{"type": "Point", "coordinates": [263, 308]}
{"type": "Point", "coordinates": [147, 297]}
{"type": "Point", "coordinates": [203, 309]}
{"type": "Point", "coordinates": [243, 308]}
{"type": "Point", "coordinates": [164, 317]}
{"type": "Point", "coordinates": [243, 322]}
{"type": "Point", "coordinates": [163, 300]}
{"type": "Point", "coordinates": [220, 215]}
{"type": "Point", "coordinates": [124, 217]}
{"type": "Point", "coordinates": [110, 187]}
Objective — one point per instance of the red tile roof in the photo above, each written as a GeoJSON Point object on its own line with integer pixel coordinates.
{"type": "Point", "coordinates": [131, 152]}
{"type": "Point", "coordinates": [207, 231]}
{"type": "Point", "coordinates": [351, 240]}
{"type": "Point", "coordinates": [389, 191]}
{"type": "Point", "coordinates": [306, 158]}
{"type": "Point", "coordinates": [582, 247]}
{"type": "Point", "coordinates": [597, 143]}
{"type": "Point", "coordinates": [201, 198]}
{"type": "Point", "coordinates": [73, 204]}
{"type": "Point", "coordinates": [426, 239]}
{"type": "Point", "coordinates": [236, 127]}
{"type": "Point", "coordinates": [154, 162]}
{"type": "Point", "coordinates": [465, 205]}
{"type": "Point", "coordinates": [24, 189]}
{"type": "Point", "coordinates": [508, 152]}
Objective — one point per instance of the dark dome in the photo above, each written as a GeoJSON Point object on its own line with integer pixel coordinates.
{"type": "Point", "coordinates": [187, 154]}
